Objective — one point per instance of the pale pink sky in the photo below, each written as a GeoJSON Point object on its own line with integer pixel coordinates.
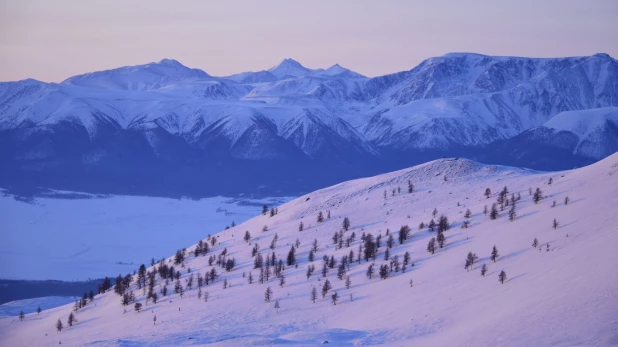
{"type": "Point", "coordinates": [53, 40]}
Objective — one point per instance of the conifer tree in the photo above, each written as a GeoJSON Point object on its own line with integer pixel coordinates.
{"type": "Point", "coordinates": [71, 319]}
{"type": "Point", "coordinates": [494, 254]}
{"type": "Point", "coordinates": [468, 213]}
{"type": "Point", "coordinates": [538, 195]}
{"type": "Point", "coordinates": [247, 236]}
{"type": "Point", "coordinates": [502, 276]}
{"type": "Point", "coordinates": [494, 212]}
{"type": "Point", "coordinates": [535, 243]}
{"type": "Point", "coordinates": [38, 310]}
{"type": "Point", "coordinates": [291, 256]}
{"type": "Point", "coordinates": [314, 294]}
{"type": "Point", "coordinates": [512, 213]}
{"type": "Point", "coordinates": [483, 270]}
{"type": "Point", "coordinates": [59, 325]}
{"type": "Point", "coordinates": [325, 288]}
{"type": "Point", "coordinates": [370, 271]}
{"type": "Point", "coordinates": [566, 200]}
{"type": "Point", "coordinates": [431, 225]}
{"type": "Point", "coordinates": [410, 187]}
{"type": "Point", "coordinates": [485, 210]}
{"type": "Point", "coordinates": [277, 306]}
{"type": "Point", "coordinates": [346, 224]}
{"type": "Point", "coordinates": [348, 282]}
{"type": "Point", "coordinates": [138, 307]}
{"type": "Point", "coordinates": [487, 193]}
{"type": "Point", "coordinates": [435, 212]}
{"type": "Point", "coordinates": [431, 246]}
{"type": "Point", "coordinates": [21, 316]}
{"type": "Point", "coordinates": [555, 224]}
{"type": "Point", "coordinates": [441, 239]}
{"type": "Point", "coordinates": [334, 298]}
{"type": "Point", "coordinates": [320, 217]}
{"type": "Point", "coordinates": [268, 294]}
{"type": "Point", "coordinates": [301, 226]}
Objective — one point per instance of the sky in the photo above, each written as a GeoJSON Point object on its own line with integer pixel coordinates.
{"type": "Point", "coordinates": [53, 40]}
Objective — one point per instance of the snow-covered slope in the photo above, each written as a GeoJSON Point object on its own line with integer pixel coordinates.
{"type": "Point", "coordinates": [570, 138]}
{"type": "Point", "coordinates": [458, 104]}
{"type": "Point", "coordinates": [560, 292]}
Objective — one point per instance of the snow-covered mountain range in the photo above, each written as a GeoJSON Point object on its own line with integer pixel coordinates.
{"type": "Point", "coordinates": [555, 247]}
{"type": "Point", "coordinates": [164, 128]}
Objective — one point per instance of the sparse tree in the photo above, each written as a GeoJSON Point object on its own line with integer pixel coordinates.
{"type": "Point", "coordinates": [370, 271]}
{"type": "Point", "coordinates": [512, 213]}
{"type": "Point", "coordinates": [441, 239]}
{"type": "Point", "coordinates": [487, 193]}
{"type": "Point", "coordinates": [21, 316]}
{"type": "Point", "coordinates": [137, 307]}
{"type": "Point", "coordinates": [301, 226]}
{"type": "Point", "coordinates": [483, 270]}
{"type": "Point", "coordinates": [410, 187]}
{"type": "Point", "coordinates": [325, 288]}
{"type": "Point", "coordinates": [494, 212]}
{"type": "Point", "coordinates": [494, 254]}
{"type": "Point", "coordinates": [465, 224]}
{"type": "Point", "coordinates": [348, 282]}
{"type": "Point", "coordinates": [346, 224]}
{"type": "Point", "coordinates": [468, 213]}
{"type": "Point", "coordinates": [264, 209]}
{"type": "Point", "coordinates": [502, 276]}
{"type": "Point", "coordinates": [71, 319]}
{"type": "Point", "coordinates": [535, 243]}
{"type": "Point", "coordinates": [268, 294]}
{"type": "Point", "coordinates": [334, 298]}
{"type": "Point", "coordinates": [38, 310]}
{"type": "Point", "coordinates": [485, 210]}
{"type": "Point", "coordinates": [281, 281]}
{"type": "Point", "coordinates": [550, 181]}
{"type": "Point", "coordinates": [431, 246]}
{"type": "Point", "coordinates": [277, 306]}
{"type": "Point", "coordinates": [314, 294]}
{"type": "Point", "coordinates": [538, 195]}
{"type": "Point", "coordinates": [566, 200]}
{"type": "Point", "coordinates": [555, 224]}
{"type": "Point", "coordinates": [470, 259]}
{"type": "Point", "coordinates": [435, 212]}
{"type": "Point", "coordinates": [432, 225]}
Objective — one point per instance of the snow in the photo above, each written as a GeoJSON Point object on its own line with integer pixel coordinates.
{"type": "Point", "coordinates": [460, 99]}
{"type": "Point", "coordinates": [563, 294]}
{"type": "Point", "coordinates": [13, 308]}
{"type": "Point", "coordinates": [583, 123]}
{"type": "Point", "coordinates": [94, 237]}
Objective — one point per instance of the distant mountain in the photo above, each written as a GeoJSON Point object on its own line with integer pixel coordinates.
{"type": "Point", "coordinates": [164, 128]}
{"type": "Point", "coordinates": [571, 138]}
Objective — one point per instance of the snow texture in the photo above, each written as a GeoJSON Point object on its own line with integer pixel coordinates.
{"type": "Point", "coordinates": [560, 293]}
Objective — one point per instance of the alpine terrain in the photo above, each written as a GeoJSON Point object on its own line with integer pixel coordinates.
{"type": "Point", "coordinates": [447, 253]}
{"type": "Point", "coordinates": [164, 129]}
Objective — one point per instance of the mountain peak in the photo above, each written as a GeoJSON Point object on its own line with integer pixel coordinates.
{"type": "Point", "coordinates": [170, 62]}
{"type": "Point", "coordinates": [289, 67]}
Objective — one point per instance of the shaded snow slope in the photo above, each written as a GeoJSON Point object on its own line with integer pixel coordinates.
{"type": "Point", "coordinates": [79, 236]}
{"type": "Point", "coordinates": [561, 293]}
{"type": "Point", "coordinates": [13, 308]}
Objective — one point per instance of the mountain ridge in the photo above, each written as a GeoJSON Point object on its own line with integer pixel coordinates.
{"type": "Point", "coordinates": [453, 105]}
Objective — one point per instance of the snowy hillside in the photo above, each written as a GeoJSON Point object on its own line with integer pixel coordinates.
{"type": "Point", "coordinates": [570, 138]}
{"type": "Point", "coordinates": [165, 120]}
{"type": "Point", "coordinates": [558, 290]}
